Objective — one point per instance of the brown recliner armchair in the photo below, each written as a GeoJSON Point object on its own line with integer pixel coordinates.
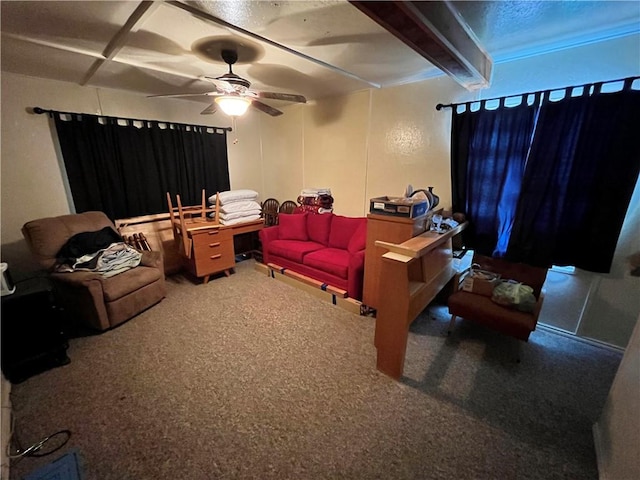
{"type": "Point", "coordinates": [483, 310]}
{"type": "Point", "coordinates": [96, 301]}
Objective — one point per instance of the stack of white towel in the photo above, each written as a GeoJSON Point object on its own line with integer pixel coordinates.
{"type": "Point", "coordinates": [237, 206]}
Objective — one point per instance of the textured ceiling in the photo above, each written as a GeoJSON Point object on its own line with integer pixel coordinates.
{"type": "Point", "coordinates": [311, 48]}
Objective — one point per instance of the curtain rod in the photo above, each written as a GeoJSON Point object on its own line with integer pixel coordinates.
{"type": "Point", "coordinates": [440, 106]}
{"type": "Point", "coordinates": [40, 111]}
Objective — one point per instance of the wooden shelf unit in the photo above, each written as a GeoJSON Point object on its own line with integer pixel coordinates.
{"type": "Point", "coordinates": [411, 275]}
{"type": "Point", "coordinates": [389, 229]}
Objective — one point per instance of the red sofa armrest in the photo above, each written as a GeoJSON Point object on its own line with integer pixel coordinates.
{"type": "Point", "coordinates": [267, 235]}
{"type": "Point", "coordinates": [356, 275]}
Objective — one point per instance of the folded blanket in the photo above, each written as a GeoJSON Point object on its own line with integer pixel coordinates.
{"type": "Point", "coordinates": [234, 196]}
{"type": "Point", "coordinates": [240, 220]}
{"type": "Point", "coordinates": [112, 260]}
{"type": "Point", "coordinates": [242, 214]}
{"type": "Point", "coordinates": [240, 206]}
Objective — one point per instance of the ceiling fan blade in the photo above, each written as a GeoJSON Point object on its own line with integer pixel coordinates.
{"type": "Point", "coordinates": [265, 108]}
{"type": "Point", "coordinates": [289, 97]}
{"type": "Point", "coordinates": [221, 85]}
{"type": "Point", "coordinates": [211, 109]}
{"type": "Point", "coordinates": [168, 95]}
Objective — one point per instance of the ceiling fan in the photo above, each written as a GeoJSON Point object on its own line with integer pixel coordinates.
{"type": "Point", "coordinates": [233, 94]}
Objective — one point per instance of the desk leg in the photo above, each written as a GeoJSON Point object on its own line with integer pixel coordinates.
{"type": "Point", "coordinates": [205, 279]}
{"type": "Point", "coordinates": [392, 326]}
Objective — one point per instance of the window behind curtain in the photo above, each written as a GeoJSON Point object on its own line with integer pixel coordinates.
{"type": "Point", "coordinates": [126, 170]}
{"type": "Point", "coordinates": [488, 163]}
{"type": "Point", "coordinates": [564, 202]}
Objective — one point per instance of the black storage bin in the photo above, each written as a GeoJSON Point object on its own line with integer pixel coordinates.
{"type": "Point", "coordinates": [33, 336]}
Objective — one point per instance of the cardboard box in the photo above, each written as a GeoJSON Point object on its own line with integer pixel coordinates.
{"type": "Point", "coordinates": [398, 206]}
{"type": "Point", "coordinates": [480, 282]}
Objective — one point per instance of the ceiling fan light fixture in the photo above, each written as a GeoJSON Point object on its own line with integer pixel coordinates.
{"type": "Point", "coordinates": [232, 105]}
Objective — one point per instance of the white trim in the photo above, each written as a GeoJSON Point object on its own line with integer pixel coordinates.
{"type": "Point", "coordinates": [595, 285]}
{"type": "Point", "coordinates": [589, 341]}
{"type": "Point", "coordinates": [599, 447]}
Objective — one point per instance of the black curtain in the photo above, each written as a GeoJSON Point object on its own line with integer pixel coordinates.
{"type": "Point", "coordinates": [126, 170]}
{"type": "Point", "coordinates": [583, 167]}
{"type": "Point", "coordinates": [488, 162]}
{"type": "Point", "coordinates": [550, 184]}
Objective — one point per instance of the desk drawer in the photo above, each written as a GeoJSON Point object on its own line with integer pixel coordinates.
{"type": "Point", "coordinates": [203, 239]}
{"type": "Point", "coordinates": [214, 256]}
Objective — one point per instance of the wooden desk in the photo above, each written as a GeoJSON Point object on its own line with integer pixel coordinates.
{"type": "Point", "coordinates": [411, 275]}
{"type": "Point", "coordinates": [210, 246]}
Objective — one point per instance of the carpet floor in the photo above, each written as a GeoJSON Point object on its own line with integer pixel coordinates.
{"type": "Point", "coordinates": [247, 377]}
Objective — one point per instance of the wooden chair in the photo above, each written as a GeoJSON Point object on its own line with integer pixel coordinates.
{"type": "Point", "coordinates": [481, 309]}
{"type": "Point", "coordinates": [288, 206]}
{"type": "Point", "coordinates": [270, 211]}
{"type": "Point", "coordinates": [184, 217]}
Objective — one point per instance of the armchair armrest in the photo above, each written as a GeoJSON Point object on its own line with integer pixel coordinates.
{"type": "Point", "coordinates": [76, 278]}
{"type": "Point", "coordinates": [152, 259]}
{"type": "Point", "coordinates": [81, 293]}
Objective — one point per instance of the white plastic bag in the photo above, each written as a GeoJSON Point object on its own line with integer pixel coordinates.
{"type": "Point", "coordinates": [513, 294]}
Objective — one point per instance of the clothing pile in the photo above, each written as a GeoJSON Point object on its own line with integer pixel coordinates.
{"type": "Point", "coordinates": [315, 200]}
{"type": "Point", "coordinates": [237, 206]}
{"type": "Point", "coordinates": [102, 252]}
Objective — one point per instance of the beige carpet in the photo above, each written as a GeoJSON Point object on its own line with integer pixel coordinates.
{"type": "Point", "coordinates": [249, 378]}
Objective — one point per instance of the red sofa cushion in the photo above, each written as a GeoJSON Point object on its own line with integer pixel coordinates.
{"type": "Point", "coordinates": [293, 226]}
{"type": "Point", "coordinates": [318, 226]}
{"type": "Point", "coordinates": [293, 249]}
{"type": "Point", "coordinates": [359, 239]}
{"type": "Point", "coordinates": [342, 229]}
{"type": "Point", "coordinates": [332, 260]}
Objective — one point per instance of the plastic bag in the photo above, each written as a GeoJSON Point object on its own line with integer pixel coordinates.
{"type": "Point", "coordinates": [510, 293]}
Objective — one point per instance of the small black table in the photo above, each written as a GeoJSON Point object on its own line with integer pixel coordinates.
{"type": "Point", "coordinates": [33, 336]}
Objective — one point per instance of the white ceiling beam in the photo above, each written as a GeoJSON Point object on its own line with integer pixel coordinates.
{"type": "Point", "coordinates": [218, 21]}
{"type": "Point", "coordinates": [89, 53]}
{"type": "Point", "coordinates": [137, 18]}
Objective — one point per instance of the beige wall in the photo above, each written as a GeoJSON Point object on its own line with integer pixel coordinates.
{"type": "Point", "coordinates": [617, 431]}
{"type": "Point", "coordinates": [281, 143]}
{"type": "Point", "coordinates": [32, 181]}
{"type": "Point", "coordinates": [335, 149]}
{"type": "Point", "coordinates": [363, 145]}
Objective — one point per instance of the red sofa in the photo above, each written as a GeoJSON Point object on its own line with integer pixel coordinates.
{"type": "Point", "coordinates": [326, 247]}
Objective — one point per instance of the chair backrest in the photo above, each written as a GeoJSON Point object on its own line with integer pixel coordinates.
{"type": "Point", "coordinates": [527, 274]}
{"type": "Point", "coordinates": [288, 206]}
{"type": "Point", "coordinates": [270, 211]}
{"type": "Point", "coordinates": [46, 236]}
